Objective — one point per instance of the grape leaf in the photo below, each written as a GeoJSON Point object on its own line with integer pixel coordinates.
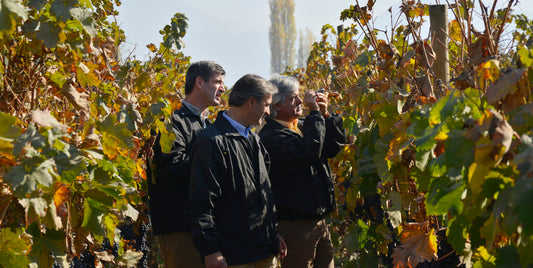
{"type": "Point", "coordinates": [419, 244]}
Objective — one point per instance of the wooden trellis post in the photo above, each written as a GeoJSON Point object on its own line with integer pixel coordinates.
{"type": "Point", "coordinates": [439, 33]}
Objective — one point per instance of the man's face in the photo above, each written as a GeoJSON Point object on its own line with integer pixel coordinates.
{"type": "Point", "coordinates": [291, 108]}
{"type": "Point", "coordinates": [213, 89]}
{"type": "Point", "coordinates": [258, 109]}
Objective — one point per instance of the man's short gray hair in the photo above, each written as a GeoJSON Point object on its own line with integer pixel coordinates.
{"type": "Point", "coordinates": [286, 85]}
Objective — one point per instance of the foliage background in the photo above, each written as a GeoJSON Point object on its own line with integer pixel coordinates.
{"type": "Point", "coordinates": [434, 172]}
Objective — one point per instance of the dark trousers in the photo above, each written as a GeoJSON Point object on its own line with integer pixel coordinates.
{"type": "Point", "coordinates": [308, 244]}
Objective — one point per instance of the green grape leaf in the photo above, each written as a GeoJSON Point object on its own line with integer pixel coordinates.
{"type": "Point", "coordinates": [12, 248]}
{"type": "Point", "coordinates": [126, 168]}
{"type": "Point", "coordinates": [445, 107]}
{"type": "Point", "coordinates": [115, 135]}
{"type": "Point", "coordinates": [35, 208]}
{"type": "Point", "coordinates": [459, 150]}
{"type": "Point", "coordinates": [444, 196]}
{"type": "Point", "coordinates": [49, 33]}
{"type": "Point", "coordinates": [437, 166]}
{"type": "Point", "coordinates": [9, 126]}
{"type": "Point", "coordinates": [508, 257]}
{"type": "Point", "coordinates": [364, 59]}
{"type": "Point", "coordinates": [85, 17]}
{"type": "Point", "coordinates": [422, 178]}
{"type": "Point", "coordinates": [46, 245]}
{"type": "Point", "coordinates": [71, 165]}
{"type": "Point", "coordinates": [24, 178]}
{"type": "Point", "coordinates": [37, 4]}
{"type": "Point", "coordinates": [93, 217]}
{"type": "Point", "coordinates": [422, 159]}
{"type": "Point", "coordinates": [490, 229]}
{"type": "Point", "coordinates": [457, 233]}
{"type": "Point", "coordinates": [526, 56]}
{"type": "Point", "coordinates": [427, 141]}
{"type": "Point", "coordinates": [104, 172]}
{"type": "Point", "coordinates": [61, 9]}
{"type": "Point", "coordinates": [167, 136]}
{"type": "Point", "coordinates": [9, 11]}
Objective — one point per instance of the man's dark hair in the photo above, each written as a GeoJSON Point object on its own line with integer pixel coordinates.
{"type": "Point", "coordinates": [203, 69]}
{"type": "Point", "coordinates": [248, 86]}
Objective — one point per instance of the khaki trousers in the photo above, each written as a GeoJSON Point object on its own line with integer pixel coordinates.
{"type": "Point", "coordinates": [178, 250]}
{"type": "Point", "coordinates": [266, 263]}
{"type": "Point", "coordinates": [308, 244]}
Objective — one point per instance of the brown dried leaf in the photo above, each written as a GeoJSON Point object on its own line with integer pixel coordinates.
{"type": "Point", "coordinates": [424, 50]}
{"type": "Point", "coordinates": [104, 256]}
{"type": "Point", "coordinates": [386, 51]}
{"type": "Point", "coordinates": [511, 88]}
{"type": "Point", "coordinates": [79, 100]}
{"type": "Point", "coordinates": [425, 86]}
{"type": "Point", "coordinates": [419, 244]}
{"type": "Point", "coordinates": [501, 134]}
{"type": "Point", "coordinates": [478, 51]}
{"type": "Point", "coordinates": [45, 119]}
{"type": "Point", "coordinates": [350, 49]}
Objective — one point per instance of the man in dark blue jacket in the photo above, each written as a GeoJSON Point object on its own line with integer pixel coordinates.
{"type": "Point", "coordinates": [231, 205]}
{"type": "Point", "coordinates": [300, 174]}
{"type": "Point", "coordinates": [168, 174]}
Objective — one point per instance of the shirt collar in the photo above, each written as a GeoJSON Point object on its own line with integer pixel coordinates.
{"type": "Point", "coordinates": [244, 131]}
{"type": "Point", "coordinates": [193, 108]}
{"type": "Point", "coordinates": [293, 126]}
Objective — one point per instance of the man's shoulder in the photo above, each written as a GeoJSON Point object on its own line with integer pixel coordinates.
{"type": "Point", "coordinates": [184, 116]}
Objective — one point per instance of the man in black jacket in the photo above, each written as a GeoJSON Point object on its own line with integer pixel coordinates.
{"type": "Point", "coordinates": [300, 175]}
{"type": "Point", "coordinates": [168, 174]}
{"type": "Point", "coordinates": [231, 205]}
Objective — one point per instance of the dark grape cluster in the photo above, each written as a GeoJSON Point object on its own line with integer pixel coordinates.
{"type": "Point", "coordinates": [85, 260]}
{"type": "Point", "coordinates": [139, 237]}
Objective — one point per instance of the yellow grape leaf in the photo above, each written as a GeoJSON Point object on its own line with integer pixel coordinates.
{"type": "Point", "coordinates": [86, 75]}
{"type": "Point", "coordinates": [141, 168]}
{"type": "Point", "coordinates": [455, 31]}
{"type": "Point", "coordinates": [61, 194]}
{"type": "Point", "coordinates": [397, 146]}
{"type": "Point", "coordinates": [418, 245]}
{"type": "Point", "coordinates": [481, 166]}
{"type": "Point", "coordinates": [6, 154]}
{"type": "Point", "coordinates": [484, 254]}
{"type": "Point", "coordinates": [151, 47]}
{"type": "Point", "coordinates": [490, 70]}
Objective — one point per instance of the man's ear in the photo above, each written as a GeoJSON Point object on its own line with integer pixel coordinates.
{"type": "Point", "coordinates": [251, 101]}
{"type": "Point", "coordinates": [198, 82]}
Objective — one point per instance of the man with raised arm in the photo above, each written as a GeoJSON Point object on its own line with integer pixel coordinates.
{"type": "Point", "coordinates": [300, 174]}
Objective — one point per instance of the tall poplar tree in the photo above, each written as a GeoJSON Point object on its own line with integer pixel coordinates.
{"type": "Point", "coordinates": [305, 40]}
{"type": "Point", "coordinates": [282, 35]}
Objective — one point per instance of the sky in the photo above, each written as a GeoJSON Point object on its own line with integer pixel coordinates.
{"type": "Point", "coordinates": [234, 33]}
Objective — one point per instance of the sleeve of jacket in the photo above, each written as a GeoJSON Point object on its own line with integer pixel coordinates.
{"type": "Point", "coordinates": [291, 151]}
{"type": "Point", "coordinates": [335, 136]}
{"type": "Point", "coordinates": [207, 170]}
{"type": "Point", "coordinates": [176, 163]}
